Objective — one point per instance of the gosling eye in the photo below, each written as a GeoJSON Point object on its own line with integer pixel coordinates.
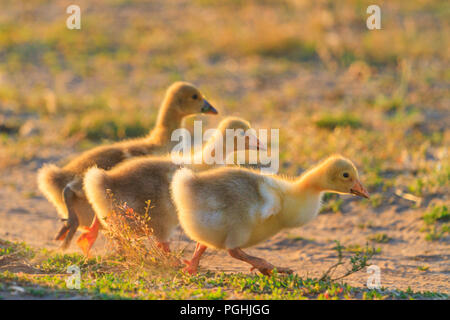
{"type": "Point", "coordinates": [195, 97]}
{"type": "Point", "coordinates": [345, 175]}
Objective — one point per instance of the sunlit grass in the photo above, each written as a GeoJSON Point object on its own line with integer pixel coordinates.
{"type": "Point", "coordinates": [332, 122]}
{"type": "Point", "coordinates": [436, 222]}
{"type": "Point", "coordinates": [105, 278]}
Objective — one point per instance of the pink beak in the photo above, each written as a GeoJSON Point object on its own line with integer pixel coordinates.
{"type": "Point", "coordinates": [359, 190]}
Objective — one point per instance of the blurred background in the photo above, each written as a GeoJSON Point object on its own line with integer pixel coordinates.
{"type": "Point", "coordinates": [309, 67]}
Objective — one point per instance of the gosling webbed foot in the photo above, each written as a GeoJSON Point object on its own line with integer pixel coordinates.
{"type": "Point", "coordinates": [88, 237]}
{"type": "Point", "coordinates": [192, 265]}
{"type": "Point", "coordinates": [190, 268]}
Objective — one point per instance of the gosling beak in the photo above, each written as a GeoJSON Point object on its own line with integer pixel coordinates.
{"type": "Point", "coordinates": [208, 108]}
{"type": "Point", "coordinates": [255, 144]}
{"type": "Point", "coordinates": [359, 190]}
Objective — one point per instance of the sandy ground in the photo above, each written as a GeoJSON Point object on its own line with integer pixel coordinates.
{"type": "Point", "coordinates": [25, 215]}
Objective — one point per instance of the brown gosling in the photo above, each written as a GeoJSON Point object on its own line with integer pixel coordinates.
{"type": "Point", "coordinates": [140, 180]}
{"type": "Point", "coordinates": [63, 187]}
{"type": "Point", "coordinates": [234, 208]}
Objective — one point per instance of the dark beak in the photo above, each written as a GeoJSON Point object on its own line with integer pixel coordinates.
{"type": "Point", "coordinates": [359, 190]}
{"type": "Point", "coordinates": [207, 108]}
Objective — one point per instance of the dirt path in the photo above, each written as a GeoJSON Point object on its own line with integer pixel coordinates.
{"type": "Point", "coordinates": [25, 215]}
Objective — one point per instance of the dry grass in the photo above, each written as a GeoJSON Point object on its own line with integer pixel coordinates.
{"type": "Point", "coordinates": [131, 239]}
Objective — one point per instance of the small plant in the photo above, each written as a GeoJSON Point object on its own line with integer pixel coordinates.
{"type": "Point", "coordinates": [131, 237]}
{"type": "Point", "coordinates": [437, 213]}
{"type": "Point", "coordinates": [417, 187]}
{"type": "Point", "coordinates": [379, 238]}
{"type": "Point", "coordinates": [434, 233]}
{"type": "Point", "coordinates": [365, 225]}
{"type": "Point", "coordinates": [299, 238]}
{"type": "Point", "coordinates": [375, 200]}
{"type": "Point", "coordinates": [423, 268]}
{"type": "Point", "coordinates": [389, 104]}
{"type": "Point", "coordinates": [373, 295]}
{"type": "Point", "coordinates": [433, 228]}
{"type": "Point", "coordinates": [356, 248]}
{"type": "Point", "coordinates": [357, 262]}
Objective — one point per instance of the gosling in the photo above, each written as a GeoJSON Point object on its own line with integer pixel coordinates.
{"type": "Point", "coordinates": [234, 208]}
{"type": "Point", "coordinates": [63, 187]}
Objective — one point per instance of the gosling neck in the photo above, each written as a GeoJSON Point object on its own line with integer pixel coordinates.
{"type": "Point", "coordinates": [169, 119]}
{"type": "Point", "coordinates": [302, 201]}
{"type": "Point", "coordinates": [208, 152]}
{"type": "Point", "coordinates": [312, 182]}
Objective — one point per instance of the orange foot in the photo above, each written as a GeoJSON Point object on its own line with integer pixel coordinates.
{"type": "Point", "coordinates": [191, 267]}
{"type": "Point", "coordinates": [88, 237]}
{"type": "Point", "coordinates": [267, 269]}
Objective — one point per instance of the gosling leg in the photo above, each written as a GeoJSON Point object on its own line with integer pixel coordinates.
{"type": "Point", "coordinates": [88, 237]}
{"type": "Point", "coordinates": [71, 225]}
{"type": "Point", "coordinates": [262, 265]}
{"type": "Point", "coordinates": [192, 265]}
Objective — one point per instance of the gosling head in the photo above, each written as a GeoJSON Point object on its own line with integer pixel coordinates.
{"type": "Point", "coordinates": [341, 176]}
{"type": "Point", "coordinates": [239, 131]}
{"type": "Point", "coordinates": [187, 99]}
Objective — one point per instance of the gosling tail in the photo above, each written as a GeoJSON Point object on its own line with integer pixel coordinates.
{"type": "Point", "coordinates": [96, 189]}
{"type": "Point", "coordinates": [51, 182]}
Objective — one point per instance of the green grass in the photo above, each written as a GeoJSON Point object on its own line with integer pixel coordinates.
{"type": "Point", "coordinates": [379, 238]}
{"type": "Point", "coordinates": [437, 214]}
{"type": "Point", "coordinates": [417, 187]}
{"type": "Point", "coordinates": [423, 268]}
{"type": "Point", "coordinates": [436, 222]}
{"type": "Point", "coordinates": [100, 125]}
{"type": "Point", "coordinates": [211, 286]}
{"type": "Point", "coordinates": [291, 49]}
{"type": "Point", "coordinates": [434, 233]}
{"type": "Point", "coordinates": [376, 200]}
{"type": "Point", "coordinates": [345, 120]}
{"type": "Point", "coordinates": [105, 278]}
{"type": "Point", "coordinates": [18, 249]}
{"type": "Point", "coordinates": [333, 205]}
{"type": "Point", "coordinates": [299, 238]}
{"type": "Point", "coordinates": [356, 248]}
{"type": "Point", "coordinates": [389, 105]}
